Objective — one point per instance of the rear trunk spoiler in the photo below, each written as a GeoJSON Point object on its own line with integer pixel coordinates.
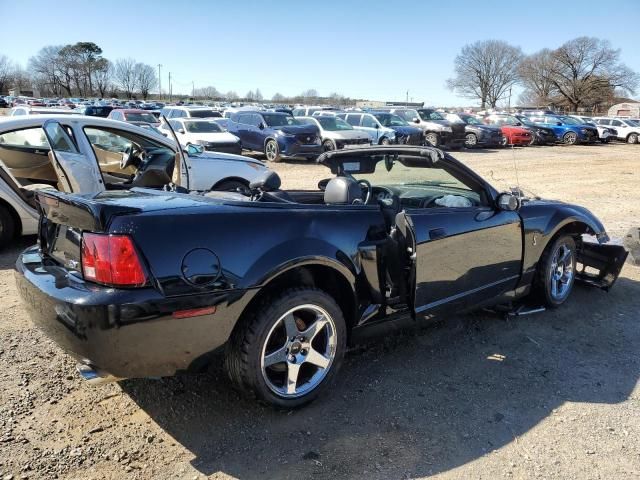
{"type": "Point", "coordinates": [599, 265]}
{"type": "Point", "coordinates": [82, 212]}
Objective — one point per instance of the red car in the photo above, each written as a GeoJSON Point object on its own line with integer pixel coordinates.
{"type": "Point", "coordinates": [512, 130]}
{"type": "Point", "coordinates": [134, 115]}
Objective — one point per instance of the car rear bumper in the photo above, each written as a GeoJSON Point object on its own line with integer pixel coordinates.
{"type": "Point", "coordinates": [121, 333]}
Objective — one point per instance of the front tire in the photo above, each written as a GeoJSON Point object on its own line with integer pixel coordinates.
{"type": "Point", "coordinates": [570, 138]}
{"type": "Point", "coordinates": [557, 271]}
{"type": "Point", "coordinates": [432, 139]}
{"type": "Point", "coordinates": [385, 141]}
{"type": "Point", "coordinates": [470, 140]}
{"type": "Point", "coordinates": [7, 226]}
{"type": "Point", "coordinates": [272, 151]}
{"type": "Point", "coordinates": [290, 349]}
{"type": "Point", "coordinates": [328, 146]}
{"type": "Point", "coordinates": [632, 138]}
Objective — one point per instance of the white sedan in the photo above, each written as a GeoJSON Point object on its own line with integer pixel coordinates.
{"type": "Point", "coordinates": [91, 155]}
{"type": "Point", "coordinates": [205, 132]}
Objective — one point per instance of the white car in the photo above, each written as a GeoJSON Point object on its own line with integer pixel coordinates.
{"type": "Point", "coordinates": [627, 130]}
{"type": "Point", "coordinates": [205, 132]}
{"type": "Point", "coordinates": [605, 134]}
{"type": "Point", "coordinates": [189, 111]}
{"type": "Point", "coordinates": [378, 133]}
{"type": "Point", "coordinates": [91, 155]}
{"type": "Point", "coordinates": [337, 134]}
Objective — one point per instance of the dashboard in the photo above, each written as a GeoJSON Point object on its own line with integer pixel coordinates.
{"type": "Point", "coordinates": [418, 196]}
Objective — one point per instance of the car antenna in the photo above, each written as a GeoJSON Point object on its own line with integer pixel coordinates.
{"type": "Point", "coordinates": [517, 190]}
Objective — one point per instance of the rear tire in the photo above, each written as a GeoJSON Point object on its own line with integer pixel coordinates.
{"type": "Point", "coordinates": [7, 226]}
{"type": "Point", "coordinates": [632, 138]}
{"type": "Point", "coordinates": [385, 141]}
{"type": "Point", "coordinates": [275, 353]}
{"type": "Point", "coordinates": [556, 272]}
{"type": "Point", "coordinates": [470, 140]}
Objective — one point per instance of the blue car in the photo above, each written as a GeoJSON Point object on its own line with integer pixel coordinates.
{"type": "Point", "coordinates": [405, 133]}
{"type": "Point", "coordinates": [276, 134]}
{"type": "Point", "coordinates": [568, 130]}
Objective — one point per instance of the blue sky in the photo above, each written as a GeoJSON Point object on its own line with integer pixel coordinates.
{"type": "Point", "coordinates": [367, 49]}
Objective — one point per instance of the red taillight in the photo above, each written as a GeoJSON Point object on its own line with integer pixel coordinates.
{"type": "Point", "coordinates": [111, 260]}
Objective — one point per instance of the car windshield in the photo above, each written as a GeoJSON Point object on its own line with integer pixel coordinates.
{"type": "Point", "coordinates": [204, 113]}
{"type": "Point", "coordinates": [428, 115]}
{"type": "Point", "coordinates": [390, 120]}
{"type": "Point", "coordinates": [570, 121]}
{"type": "Point", "coordinates": [202, 127]}
{"type": "Point", "coordinates": [140, 117]}
{"type": "Point", "coordinates": [632, 123]}
{"type": "Point", "coordinates": [469, 120]}
{"type": "Point", "coordinates": [525, 121]}
{"type": "Point", "coordinates": [279, 119]}
{"type": "Point", "coordinates": [408, 115]}
{"type": "Point", "coordinates": [333, 124]}
{"type": "Point", "coordinates": [505, 120]}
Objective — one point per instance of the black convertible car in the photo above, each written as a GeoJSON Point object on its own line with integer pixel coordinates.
{"type": "Point", "coordinates": [143, 282]}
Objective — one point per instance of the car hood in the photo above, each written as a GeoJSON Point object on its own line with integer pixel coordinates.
{"type": "Point", "coordinates": [406, 130]}
{"type": "Point", "coordinates": [297, 129]}
{"type": "Point", "coordinates": [216, 137]}
{"type": "Point", "coordinates": [484, 128]}
{"type": "Point", "coordinates": [345, 134]}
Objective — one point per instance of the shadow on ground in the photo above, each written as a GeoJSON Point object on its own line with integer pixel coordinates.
{"type": "Point", "coordinates": [417, 402]}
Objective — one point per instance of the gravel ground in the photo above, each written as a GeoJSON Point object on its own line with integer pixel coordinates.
{"type": "Point", "coordinates": [552, 395]}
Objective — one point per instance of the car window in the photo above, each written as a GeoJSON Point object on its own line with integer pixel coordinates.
{"type": "Point", "coordinates": [255, 120]}
{"type": "Point", "coordinates": [617, 123]}
{"type": "Point", "coordinates": [28, 137]}
{"type": "Point", "coordinates": [298, 112]}
{"type": "Point", "coordinates": [202, 127]}
{"type": "Point", "coordinates": [354, 120]}
{"type": "Point", "coordinates": [369, 121]}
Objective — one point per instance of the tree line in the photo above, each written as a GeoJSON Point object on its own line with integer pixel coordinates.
{"type": "Point", "coordinates": [585, 72]}
{"type": "Point", "coordinates": [78, 70]}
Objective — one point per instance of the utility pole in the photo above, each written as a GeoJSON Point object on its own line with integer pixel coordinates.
{"type": "Point", "coordinates": [407, 101]}
{"type": "Point", "coordinates": [159, 82]}
{"type": "Point", "coordinates": [170, 87]}
{"type": "Point", "coordinates": [509, 104]}
{"type": "Point", "coordinates": [193, 89]}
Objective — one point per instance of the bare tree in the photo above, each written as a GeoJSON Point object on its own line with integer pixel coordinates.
{"type": "Point", "coordinates": [309, 94]}
{"type": "Point", "coordinates": [485, 70]}
{"type": "Point", "coordinates": [7, 69]}
{"type": "Point", "coordinates": [102, 76]}
{"type": "Point", "coordinates": [207, 92]}
{"type": "Point", "coordinates": [586, 68]}
{"type": "Point", "coordinates": [258, 95]}
{"type": "Point", "coordinates": [278, 98]}
{"type": "Point", "coordinates": [146, 78]}
{"type": "Point", "coordinates": [124, 75]}
{"type": "Point", "coordinates": [535, 76]}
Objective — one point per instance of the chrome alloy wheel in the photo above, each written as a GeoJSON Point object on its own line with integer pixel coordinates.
{"type": "Point", "coordinates": [298, 351]}
{"type": "Point", "coordinates": [561, 272]}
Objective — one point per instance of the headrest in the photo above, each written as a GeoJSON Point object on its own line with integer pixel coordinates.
{"type": "Point", "coordinates": [342, 191]}
{"type": "Point", "coordinates": [268, 181]}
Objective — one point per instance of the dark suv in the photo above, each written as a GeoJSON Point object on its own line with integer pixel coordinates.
{"type": "Point", "coordinates": [276, 134]}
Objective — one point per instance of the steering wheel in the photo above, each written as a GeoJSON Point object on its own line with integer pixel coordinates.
{"type": "Point", "coordinates": [430, 202]}
{"type": "Point", "coordinates": [367, 185]}
{"type": "Point", "coordinates": [130, 155]}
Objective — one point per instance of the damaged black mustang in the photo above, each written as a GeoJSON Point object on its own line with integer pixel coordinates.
{"type": "Point", "coordinates": [140, 282]}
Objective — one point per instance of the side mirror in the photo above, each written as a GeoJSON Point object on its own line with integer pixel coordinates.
{"type": "Point", "coordinates": [559, 123]}
{"type": "Point", "coordinates": [181, 130]}
{"type": "Point", "coordinates": [416, 120]}
{"type": "Point", "coordinates": [518, 124]}
{"type": "Point", "coordinates": [377, 126]}
{"type": "Point", "coordinates": [508, 202]}
{"type": "Point", "coordinates": [261, 126]}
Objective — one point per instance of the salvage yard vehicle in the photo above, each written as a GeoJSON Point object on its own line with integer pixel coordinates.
{"type": "Point", "coordinates": [605, 134]}
{"type": "Point", "coordinates": [134, 115]}
{"type": "Point", "coordinates": [275, 134]}
{"type": "Point", "coordinates": [540, 135]}
{"type": "Point", "coordinates": [451, 135]}
{"type": "Point", "coordinates": [145, 282]}
{"type": "Point", "coordinates": [205, 132]}
{"type": "Point", "coordinates": [477, 134]}
{"type": "Point", "coordinates": [336, 133]}
{"type": "Point", "coordinates": [569, 131]}
{"type": "Point", "coordinates": [626, 130]}
{"type": "Point", "coordinates": [513, 132]}
{"type": "Point", "coordinates": [123, 155]}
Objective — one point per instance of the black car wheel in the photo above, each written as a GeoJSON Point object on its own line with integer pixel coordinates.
{"type": "Point", "coordinates": [570, 138]}
{"type": "Point", "coordinates": [233, 186]}
{"type": "Point", "coordinates": [556, 271]}
{"type": "Point", "coordinates": [328, 145]}
{"type": "Point", "coordinates": [470, 140]}
{"type": "Point", "coordinates": [432, 139]}
{"type": "Point", "coordinates": [7, 226]}
{"type": "Point", "coordinates": [385, 141]}
{"type": "Point", "coordinates": [289, 350]}
{"type": "Point", "coordinates": [271, 151]}
{"type": "Point", "coordinates": [632, 138]}
{"type": "Point", "coordinates": [534, 139]}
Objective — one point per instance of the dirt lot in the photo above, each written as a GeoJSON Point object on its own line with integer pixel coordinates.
{"type": "Point", "coordinates": [553, 395]}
